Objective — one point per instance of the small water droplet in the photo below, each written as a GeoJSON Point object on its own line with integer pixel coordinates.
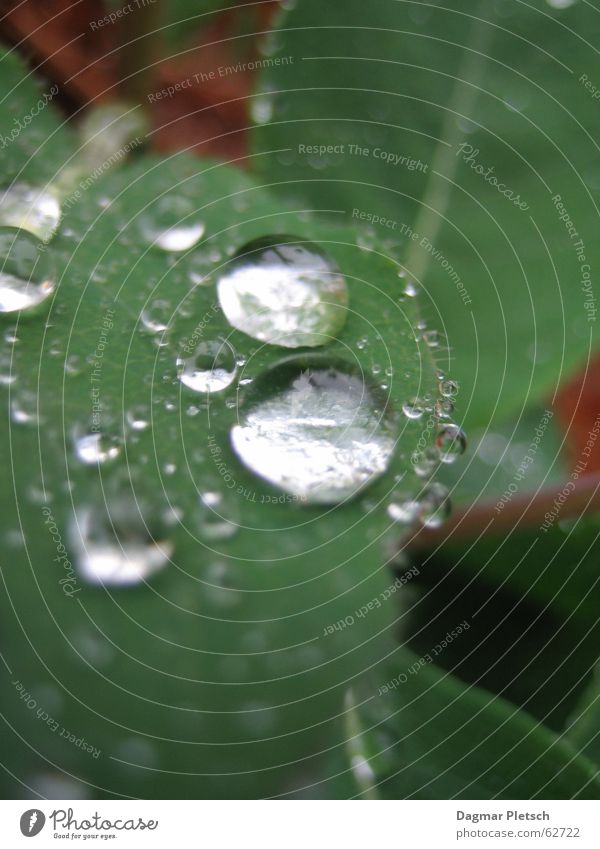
{"type": "Point", "coordinates": [411, 289]}
{"type": "Point", "coordinates": [403, 510]}
{"type": "Point", "coordinates": [261, 109]}
{"type": "Point", "coordinates": [424, 462]}
{"type": "Point", "coordinates": [213, 523]}
{"type": "Point", "coordinates": [156, 316]}
{"type": "Point", "coordinates": [24, 408]}
{"type": "Point", "coordinates": [432, 338]}
{"type": "Point", "coordinates": [171, 223]}
{"type": "Point", "coordinates": [138, 418]}
{"type": "Point", "coordinates": [284, 291]}
{"type": "Point", "coordinates": [29, 208]}
{"type": "Point", "coordinates": [27, 273]}
{"type": "Point", "coordinates": [451, 443]}
{"type": "Point", "coordinates": [116, 550]}
{"type": "Point", "coordinates": [95, 447]}
{"type": "Point", "coordinates": [435, 505]}
{"type": "Point", "coordinates": [211, 368]}
{"type": "Point", "coordinates": [413, 409]}
{"type": "Point", "coordinates": [315, 432]}
{"type": "Point", "coordinates": [449, 388]}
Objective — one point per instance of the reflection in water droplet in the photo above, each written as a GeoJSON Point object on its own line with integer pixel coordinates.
{"type": "Point", "coordinates": [171, 223]}
{"type": "Point", "coordinates": [33, 209]}
{"type": "Point", "coordinates": [27, 273]}
{"type": "Point", "coordinates": [284, 291]}
{"type": "Point", "coordinates": [316, 432]}
{"type": "Point", "coordinates": [93, 448]}
{"type": "Point", "coordinates": [451, 443]}
{"type": "Point", "coordinates": [121, 552]}
{"type": "Point", "coordinates": [211, 368]}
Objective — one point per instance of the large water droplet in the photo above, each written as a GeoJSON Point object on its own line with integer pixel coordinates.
{"type": "Point", "coordinates": [116, 550]}
{"type": "Point", "coordinates": [33, 209]}
{"type": "Point", "coordinates": [284, 291]}
{"type": "Point", "coordinates": [451, 443]}
{"type": "Point", "coordinates": [211, 368]}
{"type": "Point", "coordinates": [317, 432]}
{"type": "Point", "coordinates": [171, 223]}
{"type": "Point", "coordinates": [27, 273]}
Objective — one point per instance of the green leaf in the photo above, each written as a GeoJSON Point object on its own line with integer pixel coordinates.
{"type": "Point", "coordinates": [519, 647]}
{"type": "Point", "coordinates": [425, 735]}
{"type": "Point", "coordinates": [32, 130]}
{"type": "Point", "coordinates": [224, 675]}
{"type": "Point", "coordinates": [583, 728]}
{"type": "Point", "coordinates": [369, 109]}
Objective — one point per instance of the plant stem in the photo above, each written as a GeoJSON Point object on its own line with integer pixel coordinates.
{"type": "Point", "coordinates": [523, 512]}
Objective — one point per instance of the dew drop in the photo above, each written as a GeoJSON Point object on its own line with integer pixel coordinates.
{"type": "Point", "coordinates": [403, 510]}
{"type": "Point", "coordinates": [434, 505]}
{"type": "Point", "coordinates": [156, 316]}
{"type": "Point", "coordinates": [213, 524]}
{"type": "Point", "coordinates": [451, 443]}
{"type": "Point", "coordinates": [211, 368]}
{"type": "Point", "coordinates": [171, 223]}
{"type": "Point", "coordinates": [284, 291]}
{"type": "Point", "coordinates": [432, 338]}
{"type": "Point", "coordinates": [27, 273]}
{"type": "Point", "coordinates": [449, 388]}
{"type": "Point", "coordinates": [413, 409]}
{"type": "Point", "coordinates": [121, 552]}
{"type": "Point", "coordinates": [315, 432]}
{"type": "Point", "coordinates": [137, 418]}
{"type": "Point", "coordinates": [95, 447]}
{"type": "Point", "coordinates": [29, 208]}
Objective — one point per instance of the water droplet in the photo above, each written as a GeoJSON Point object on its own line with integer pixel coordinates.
{"type": "Point", "coordinates": [27, 273]}
{"type": "Point", "coordinates": [435, 505]}
{"type": "Point", "coordinates": [213, 524]}
{"type": "Point", "coordinates": [211, 368]}
{"type": "Point", "coordinates": [121, 552]}
{"type": "Point", "coordinates": [444, 408]}
{"type": "Point", "coordinates": [432, 338]}
{"type": "Point", "coordinates": [29, 208]}
{"type": "Point", "coordinates": [449, 388]}
{"type": "Point", "coordinates": [137, 418]}
{"type": "Point", "coordinates": [413, 409]}
{"type": "Point", "coordinates": [403, 510]}
{"type": "Point", "coordinates": [411, 289]}
{"type": "Point", "coordinates": [156, 316]}
{"type": "Point", "coordinates": [95, 447]}
{"type": "Point", "coordinates": [425, 461]}
{"type": "Point", "coordinates": [171, 223]}
{"type": "Point", "coordinates": [315, 432]}
{"type": "Point", "coordinates": [261, 109]}
{"type": "Point", "coordinates": [24, 408]}
{"type": "Point", "coordinates": [451, 443]}
{"type": "Point", "coordinates": [284, 291]}
{"type": "Point", "coordinates": [561, 4]}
